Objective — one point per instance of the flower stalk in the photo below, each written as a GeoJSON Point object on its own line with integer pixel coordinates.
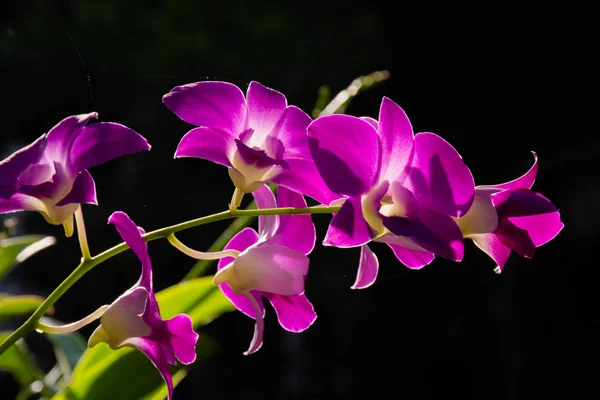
{"type": "Point", "coordinates": [86, 265]}
{"type": "Point", "coordinates": [81, 234]}
{"type": "Point", "coordinates": [73, 326]}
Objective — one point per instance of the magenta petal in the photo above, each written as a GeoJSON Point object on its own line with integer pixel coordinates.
{"type": "Point", "coordinates": [209, 144]}
{"type": "Point", "coordinates": [438, 176]}
{"type": "Point", "coordinates": [244, 239]}
{"type": "Point", "coordinates": [524, 182]}
{"type": "Point", "coordinates": [348, 227]}
{"type": "Point", "coordinates": [516, 238]}
{"type": "Point", "coordinates": [217, 105]}
{"type": "Point", "coordinates": [152, 349]}
{"type": "Point", "coordinates": [131, 234]}
{"type": "Point", "coordinates": [346, 153]}
{"type": "Point", "coordinates": [265, 108]}
{"type": "Point", "coordinates": [374, 123]}
{"type": "Point", "coordinates": [267, 224]}
{"type": "Point", "coordinates": [368, 268]}
{"type": "Point", "coordinates": [295, 313]}
{"type": "Point", "coordinates": [530, 211]}
{"type": "Point", "coordinates": [7, 206]}
{"type": "Point", "coordinates": [288, 137]}
{"type": "Point", "coordinates": [396, 137]}
{"type": "Point", "coordinates": [259, 325]}
{"type": "Point", "coordinates": [104, 141]}
{"type": "Point", "coordinates": [63, 135]}
{"type": "Point", "coordinates": [82, 192]}
{"type": "Point", "coordinates": [303, 177]}
{"type": "Point", "coordinates": [16, 163]}
{"type": "Point", "coordinates": [413, 259]}
{"type": "Point", "coordinates": [493, 247]}
{"type": "Point", "coordinates": [270, 268]}
{"type": "Point", "coordinates": [294, 231]}
{"type": "Point", "coordinates": [433, 231]}
{"type": "Point", "coordinates": [36, 174]}
{"type": "Point", "coordinates": [182, 338]}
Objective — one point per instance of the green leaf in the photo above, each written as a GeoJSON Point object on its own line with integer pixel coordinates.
{"type": "Point", "coordinates": [14, 306]}
{"type": "Point", "coordinates": [162, 392]}
{"type": "Point", "coordinates": [68, 348]}
{"type": "Point", "coordinates": [126, 373]}
{"type": "Point", "coordinates": [17, 361]}
{"type": "Point", "coordinates": [17, 249]}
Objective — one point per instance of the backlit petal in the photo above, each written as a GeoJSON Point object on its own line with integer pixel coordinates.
{"type": "Point", "coordinates": [396, 137]}
{"type": "Point", "coordinates": [265, 108]}
{"type": "Point", "coordinates": [210, 144]}
{"type": "Point", "coordinates": [218, 105]}
{"type": "Point", "coordinates": [368, 267]}
{"type": "Point", "coordinates": [346, 153]}
{"type": "Point", "coordinates": [348, 228]}
{"type": "Point", "coordinates": [295, 313]}
{"type": "Point", "coordinates": [438, 176]}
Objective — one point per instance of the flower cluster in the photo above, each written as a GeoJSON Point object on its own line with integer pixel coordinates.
{"type": "Point", "coordinates": [383, 182]}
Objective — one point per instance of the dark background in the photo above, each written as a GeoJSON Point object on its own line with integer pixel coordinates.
{"type": "Point", "coordinates": [496, 82]}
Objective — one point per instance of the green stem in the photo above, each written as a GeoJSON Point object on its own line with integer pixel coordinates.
{"type": "Point", "coordinates": [87, 265]}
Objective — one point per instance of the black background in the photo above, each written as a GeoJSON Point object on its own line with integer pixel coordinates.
{"type": "Point", "coordinates": [495, 81]}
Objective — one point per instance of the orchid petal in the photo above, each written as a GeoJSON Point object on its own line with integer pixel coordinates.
{"type": "Point", "coordinates": [374, 123]}
{"type": "Point", "coordinates": [346, 152]}
{"type": "Point", "coordinates": [267, 224]}
{"type": "Point", "coordinates": [102, 142]}
{"type": "Point", "coordinates": [303, 177]}
{"type": "Point", "coordinates": [438, 176]}
{"type": "Point", "coordinates": [288, 137]}
{"type": "Point", "coordinates": [266, 268]}
{"type": "Point", "coordinates": [525, 181]}
{"type": "Point", "coordinates": [240, 242]}
{"type": "Point", "coordinates": [294, 231]}
{"type": "Point", "coordinates": [210, 144]}
{"type": "Point", "coordinates": [153, 349]}
{"type": "Point", "coordinates": [413, 259]}
{"type": "Point", "coordinates": [516, 238]}
{"type": "Point", "coordinates": [217, 105]}
{"type": "Point", "coordinates": [35, 174]}
{"type": "Point", "coordinates": [63, 135]}
{"type": "Point", "coordinates": [368, 268]}
{"type": "Point", "coordinates": [348, 228]}
{"type": "Point", "coordinates": [396, 137]}
{"type": "Point", "coordinates": [295, 313]}
{"type": "Point", "coordinates": [265, 108]}
{"type": "Point", "coordinates": [131, 234]}
{"type": "Point", "coordinates": [530, 211]}
{"type": "Point", "coordinates": [122, 321]}
{"type": "Point", "coordinates": [182, 338]}
{"type": "Point", "coordinates": [490, 244]}
{"type": "Point", "coordinates": [7, 206]}
{"type": "Point", "coordinates": [259, 326]}
{"type": "Point", "coordinates": [16, 163]}
{"type": "Point", "coordinates": [82, 192]}
{"type": "Point", "coordinates": [433, 231]}
{"type": "Point", "coordinates": [481, 218]}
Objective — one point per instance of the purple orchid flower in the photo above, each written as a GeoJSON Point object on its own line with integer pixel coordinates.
{"type": "Point", "coordinates": [259, 138]}
{"type": "Point", "coordinates": [134, 319]}
{"type": "Point", "coordinates": [511, 216]}
{"type": "Point", "coordinates": [50, 175]}
{"type": "Point", "coordinates": [399, 188]}
{"type": "Point", "coordinates": [273, 264]}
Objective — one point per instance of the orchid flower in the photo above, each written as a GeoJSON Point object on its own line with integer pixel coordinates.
{"type": "Point", "coordinates": [273, 264]}
{"type": "Point", "coordinates": [134, 320]}
{"type": "Point", "coordinates": [50, 175]}
{"type": "Point", "coordinates": [510, 216]}
{"type": "Point", "coordinates": [399, 188]}
{"type": "Point", "coordinates": [259, 138]}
